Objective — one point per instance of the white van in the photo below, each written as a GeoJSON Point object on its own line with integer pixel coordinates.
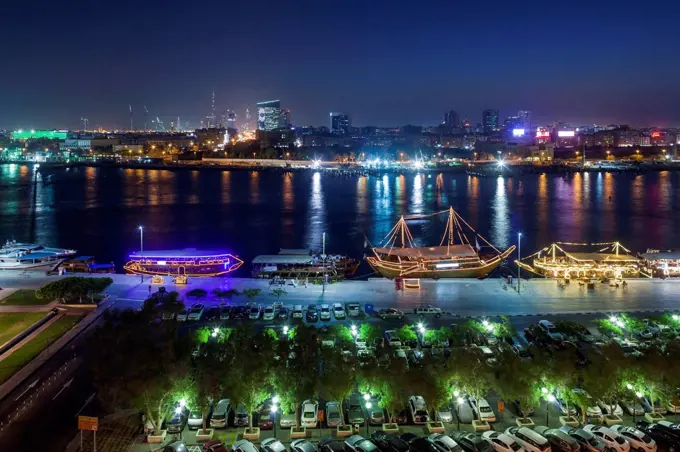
{"type": "Point", "coordinates": [220, 415]}
{"type": "Point", "coordinates": [529, 439]}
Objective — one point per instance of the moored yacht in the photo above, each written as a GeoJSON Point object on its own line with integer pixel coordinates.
{"type": "Point", "coordinates": [31, 256]}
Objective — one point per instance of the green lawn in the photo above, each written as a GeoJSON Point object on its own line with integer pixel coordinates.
{"type": "Point", "coordinates": [23, 297]}
{"type": "Point", "coordinates": [10, 365]}
{"type": "Point", "coordinates": [14, 323]}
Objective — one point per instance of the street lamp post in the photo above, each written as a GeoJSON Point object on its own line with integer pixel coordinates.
{"type": "Point", "coordinates": [519, 259]}
{"type": "Point", "coordinates": [459, 402]}
{"type": "Point", "coordinates": [274, 409]}
{"type": "Point", "coordinates": [368, 415]}
{"type": "Point", "coordinates": [141, 249]}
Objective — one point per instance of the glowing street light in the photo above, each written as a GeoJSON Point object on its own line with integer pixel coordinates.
{"type": "Point", "coordinates": [275, 400]}
{"type": "Point", "coordinates": [285, 330]}
{"type": "Point", "coordinates": [182, 402]}
{"type": "Point", "coordinates": [456, 393]}
{"type": "Point", "coordinates": [638, 394]}
{"type": "Point", "coordinates": [675, 317]}
{"type": "Point", "coordinates": [629, 386]}
{"type": "Point", "coordinates": [544, 390]}
{"type": "Point", "coordinates": [367, 397]}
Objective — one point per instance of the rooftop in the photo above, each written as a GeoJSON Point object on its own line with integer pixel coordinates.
{"type": "Point", "coordinates": [186, 252]}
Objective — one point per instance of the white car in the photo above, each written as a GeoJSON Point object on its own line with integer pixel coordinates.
{"type": "Point", "coordinates": [392, 339]}
{"type": "Point", "coordinates": [310, 412]}
{"type": "Point", "coordinates": [338, 311]}
{"type": "Point", "coordinates": [592, 410]}
{"type": "Point", "coordinates": [183, 315]}
{"type": "Point", "coordinates": [612, 439]}
{"type": "Point", "coordinates": [325, 312]}
{"type": "Point", "coordinates": [269, 313]}
{"type": "Point", "coordinates": [502, 442]}
{"type": "Point", "coordinates": [428, 310]}
{"type": "Point", "coordinates": [255, 312]}
{"type": "Point", "coordinates": [606, 408]}
{"type": "Point", "coordinates": [196, 311]}
{"type": "Point", "coordinates": [195, 420]}
{"type": "Point", "coordinates": [444, 414]}
{"type": "Point", "coordinates": [550, 330]}
{"type": "Point", "coordinates": [418, 408]}
{"type": "Point", "coordinates": [484, 410]}
{"type": "Point", "coordinates": [488, 355]}
{"type": "Point", "coordinates": [243, 445]}
{"type": "Point", "coordinates": [528, 439]}
{"type": "Point", "coordinates": [638, 440]}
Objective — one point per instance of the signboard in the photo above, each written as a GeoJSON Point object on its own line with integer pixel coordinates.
{"type": "Point", "coordinates": [518, 133]}
{"type": "Point", "coordinates": [501, 406]}
{"type": "Point", "coordinates": [88, 423]}
{"type": "Point", "coordinates": [566, 133]}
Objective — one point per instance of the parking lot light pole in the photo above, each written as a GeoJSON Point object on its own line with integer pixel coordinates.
{"type": "Point", "coordinates": [459, 400]}
{"type": "Point", "coordinates": [274, 410]}
{"type": "Point", "coordinates": [368, 414]}
{"type": "Point", "coordinates": [551, 399]}
{"type": "Point", "coordinates": [638, 394]}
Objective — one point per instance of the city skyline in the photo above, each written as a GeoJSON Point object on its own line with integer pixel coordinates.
{"type": "Point", "coordinates": [396, 65]}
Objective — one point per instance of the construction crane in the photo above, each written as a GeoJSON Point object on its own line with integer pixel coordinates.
{"type": "Point", "coordinates": [160, 127]}
{"type": "Point", "coordinates": [146, 117]}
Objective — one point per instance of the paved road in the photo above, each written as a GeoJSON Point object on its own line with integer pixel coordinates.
{"type": "Point", "coordinates": [467, 297]}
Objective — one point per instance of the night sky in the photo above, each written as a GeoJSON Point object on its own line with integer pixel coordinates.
{"type": "Point", "coordinates": [384, 62]}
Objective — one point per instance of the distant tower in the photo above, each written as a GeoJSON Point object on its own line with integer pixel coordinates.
{"type": "Point", "coordinates": [85, 124]}
{"type": "Point", "coordinates": [131, 119]}
{"type": "Point", "coordinates": [179, 124]}
{"type": "Point", "coordinates": [146, 117]}
{"type": "Point", "coordinates": [172, 126]}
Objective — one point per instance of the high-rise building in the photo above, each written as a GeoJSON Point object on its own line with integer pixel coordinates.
{"type": "Point", "coordinates": [341, 124]}
{"type": "Point", "coordinates": [525, 119]}
{"type": "Point", "coordinates": [284, 119]}
{"type": "Point", "coordinates": [452, 119]}
{"type": "Point", "coordinates": [489, 121]}
{"type": "Point", "coordinates": [268, 115]}
{"type": "Point", "coordinates": [231, 119]}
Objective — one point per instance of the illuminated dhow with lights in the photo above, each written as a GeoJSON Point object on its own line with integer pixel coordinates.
{"type": "Point", "coordinates": [455, 257]}
{"type": "Point", "coordinates": [186, 262]}
{"type": "Point", "coordinates": [583, 261]}
{"type": "Point", "coordinates": [302, 264]}
{"type": "Point", "coordinates": [30, 256]}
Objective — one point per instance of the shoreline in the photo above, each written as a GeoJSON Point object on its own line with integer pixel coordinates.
{"type": "Point", "coordinates": [484, 170]}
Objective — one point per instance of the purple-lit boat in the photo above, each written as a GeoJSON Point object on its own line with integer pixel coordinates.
{"type": "Point", "coordinates": [186, 262]}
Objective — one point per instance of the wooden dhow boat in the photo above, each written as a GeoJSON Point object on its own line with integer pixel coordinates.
{"type": "Point", "coordinates": [455, 257]}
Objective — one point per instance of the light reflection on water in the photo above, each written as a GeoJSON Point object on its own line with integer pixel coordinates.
{"type": "Point", "coordinates": [250, 213]}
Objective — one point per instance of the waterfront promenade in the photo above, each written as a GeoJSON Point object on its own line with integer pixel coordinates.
{"type": "Point", "coordinates": [464, 297]}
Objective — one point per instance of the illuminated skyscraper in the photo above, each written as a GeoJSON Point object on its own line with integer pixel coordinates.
{"type": "Point", "coordinates": [489, 121]}
{"type": "Point", "coordinates": [452, 119]}
{"type": "Point", "coordinates": [341, 124]}
{"type": "Point", "coordinates": [284, 120]}
{"type": "Point", "coordinates": [268, 115]}
{"type": "Point", "coordinates": [525, 119]}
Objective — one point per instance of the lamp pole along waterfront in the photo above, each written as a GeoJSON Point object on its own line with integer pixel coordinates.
{"type": "Point", "coordinates": [519, 261]}
{"type": "Point", "coordinates": [323, 260]}
{"type": "Point", "coordinates": [141, 249]}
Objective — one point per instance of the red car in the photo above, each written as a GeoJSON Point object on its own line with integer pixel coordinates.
{"type": "Point", "coordinates": [214, 445]}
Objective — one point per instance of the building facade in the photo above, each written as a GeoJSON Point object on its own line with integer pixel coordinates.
{"type": "Point", "coordinates": [268, 115]}
{"type": "Point", "coordinates": [489, 121]}
{"type": "Point", "coordinates": [340, 124]}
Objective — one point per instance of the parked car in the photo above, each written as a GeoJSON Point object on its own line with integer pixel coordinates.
{"type": "Point", "coordinates": [310, 413]}
{"type": "Point", "coordinates": [269, 313]}
{"type": "Point", "coordinates": [225, 312]}
{"type": "Point", "coordinates": [302, 445]}
{"type": "Point", "coordinates": [424, 311]}
{"type": "Point", "coordinates": [272, 445]}
{"type": "Point", "coordinates": [472, 442]}
{"type": "Point", "coordinates": [663, 440]}
{"type": "Point", "coordinates": [214, 445]}
{"type": "Point", "coordinates": [613, 440]}
{"type": "Point", "coordinates": [183, 315]}
{"type": "Point", "coordinates": [212, 314]}
{"type": "Point", "coordinates": [420, 444]}
{"type": "Point", "coordinates": [418, 409]}
{"type": "Point", "coordinates": [549, 329]}
{"type": "Point", "coordinates": [287, 419]}
{"type": "Point", "coordinates": [282, 313]}
{"type": "Point", "coordinates": [633, 407]}
{"type": "Point", "coordinates": [483, 409]}
{"type": "Point", "coordinates": [241, 416]}
{"type": "Point", "coordinates": [391, 314]}
{"type": "Point", "coordinates": [671, 428]}
{"type": "Point", "coordinates": [355, 410]}
{"type": "Point", "coordinates": [331, 445]}
{"type": "Point", "coordinates": [243, 445]}
{"type": "Point", "coordinates": [502, 442]}
{"type": "Point", "coordinates": [220, 414]}
{"type": "Point", "coordinates": [606, 408]}
{"type": "Point", "coordinates": [445, 442]}
{"type": "Point", "coordinates": [559, 441]}
{"type": "Point", "coordinates": [196, 311]}
{"type": "Point", "coordinates": [264, 417]}
{"type": "Point", "coordinates": [255, 312]}
{"type": "Point", "coordinates": [529, 439]}
{"type": "Point", "coordinates": [312, 313]}
{"type": "Point", "coordinates": [334, 415]}
{"type": "Point", "coordinates": [338, 311]}
{"type": "Point", "coordinates": [357, 443]}
{"type": "Point", "coordinates": [325, 312]}
{"type": "Point", "coordinates": [177, 446]}
{"type": "Point", "coordinates": [178, 421]}
{"type": "Point", "coordinates": [297, 311]}
{"type": "Point", "coordinates": [592, 410]}
{"type": "Point", "coordinates": [639, 441]}
{"type": "Point", "coordinates": [392, 339]}
{"type": "Point", "coordinates": [353, 309]}
{"type": "Point", "coordinates": [376, 414]}
{"type": "Point", "coordinates": [195, 420]}
{"type": "Point", "coordinates": [389, 443]}
{"type": "Point", "coordinates": [444, 413]}
{"type": "Point", "coordinates": [587, 440]}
